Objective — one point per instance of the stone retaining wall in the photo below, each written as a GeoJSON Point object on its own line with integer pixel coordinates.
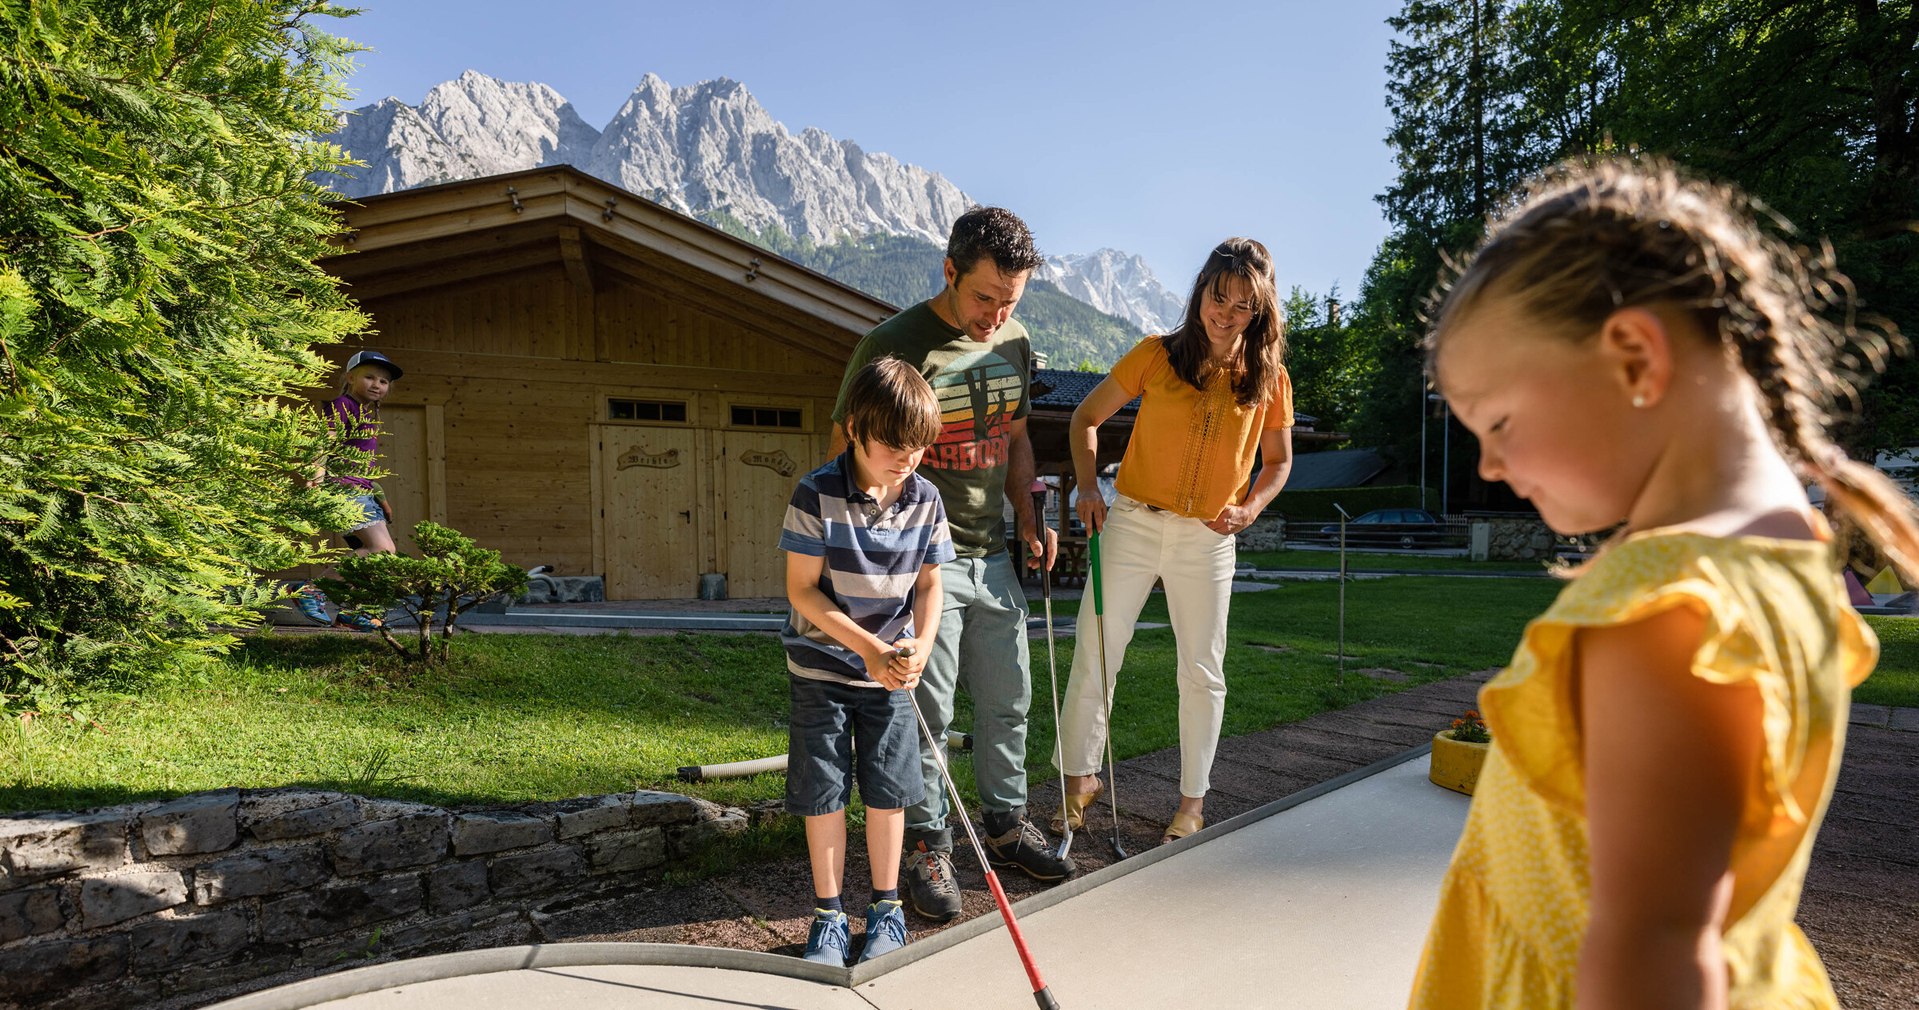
{"type": "Point", "coordinates": [1267, 533]}
{"type": "Point", "coordinates": [1518, 539]}
{"type": "Point", "coordinates": [143, 903]}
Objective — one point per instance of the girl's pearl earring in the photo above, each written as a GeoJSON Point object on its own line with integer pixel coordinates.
{"type": "Point", "coordinates": [1639, 400]}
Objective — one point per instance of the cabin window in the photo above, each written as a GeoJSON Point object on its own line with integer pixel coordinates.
{"type": "Point", "coordinates": [646, 410]}
{"type": "Point", "coordinates": [766, 417]}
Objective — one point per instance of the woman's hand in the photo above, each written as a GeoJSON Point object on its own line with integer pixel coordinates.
{"type": "Point", "coordinates": [1232, 519]}
{"type": "Point", "coordinates": [1092, 511]}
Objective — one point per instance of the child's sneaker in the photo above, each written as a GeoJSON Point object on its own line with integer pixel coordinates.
{"type": "Point", "coordinates": [358, 622]}
{"type": "Point", "coordinates": [826, 942]}
{"type": "Point", "coordinates": [311, 603]}
{"type": "Point", "coordinates": [885, 929]}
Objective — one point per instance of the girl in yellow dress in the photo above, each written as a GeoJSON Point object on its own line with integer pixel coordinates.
{"type": "Point", "coordinates": [1631, 348]}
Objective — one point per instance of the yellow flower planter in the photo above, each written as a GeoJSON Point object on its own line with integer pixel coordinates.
{"type": "Point", "coordinates": [1456, 762]}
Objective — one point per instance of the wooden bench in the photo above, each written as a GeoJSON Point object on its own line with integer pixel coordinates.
{"type": "Point", "coordinates": [1069, 569]}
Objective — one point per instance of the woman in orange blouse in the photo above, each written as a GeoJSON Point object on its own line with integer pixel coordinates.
{"type": "Point", "coordinates": [1212, 393]}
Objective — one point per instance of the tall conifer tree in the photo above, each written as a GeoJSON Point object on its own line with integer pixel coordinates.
{"type": "Point", "coordinates": [158, 303]}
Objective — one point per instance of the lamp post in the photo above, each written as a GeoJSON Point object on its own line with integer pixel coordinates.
{"type": "Point", "coordinates": [1445, 449]}
{"type": "Point", "coordinates": [1424, 409]}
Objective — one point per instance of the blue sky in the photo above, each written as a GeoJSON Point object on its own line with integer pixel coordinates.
{"type": "Point", "coordinates": [1157, 128]}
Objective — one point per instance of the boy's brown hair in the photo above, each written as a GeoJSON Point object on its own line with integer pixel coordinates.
{"type": "Point", "coordinates": [889, 401]}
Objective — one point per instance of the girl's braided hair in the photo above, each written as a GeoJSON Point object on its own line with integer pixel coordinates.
{"type": "Point", "coordinates": [1588, 238]}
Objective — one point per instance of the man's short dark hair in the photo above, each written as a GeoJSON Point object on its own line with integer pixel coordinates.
{"type": "Point", "coordinates": [995, 232]}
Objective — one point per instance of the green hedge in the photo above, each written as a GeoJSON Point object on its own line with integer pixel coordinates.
{"type": "Point", "coordinates": [1318, 505]}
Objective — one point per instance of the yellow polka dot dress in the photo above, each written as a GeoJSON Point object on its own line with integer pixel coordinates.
{"type": "Point", "coordinates": [1514, 905]}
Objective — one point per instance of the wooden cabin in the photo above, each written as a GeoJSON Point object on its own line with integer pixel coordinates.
{"type": "Point", "coordinates": [593, 381]}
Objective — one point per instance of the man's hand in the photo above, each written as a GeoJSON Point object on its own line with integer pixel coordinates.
{"type": "Point", "coordinates": [1029, 538]}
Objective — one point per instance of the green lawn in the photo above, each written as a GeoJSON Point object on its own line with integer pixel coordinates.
{"type": "Point", "coordinates": [1361, 562]}
{"type": "Point", "coordinates": [545, 717]}
{"type": "Point", "coordinates": [1896, 680]}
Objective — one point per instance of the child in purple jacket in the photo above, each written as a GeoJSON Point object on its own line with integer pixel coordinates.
{"type": "Point", "coordinates": [355, 413]}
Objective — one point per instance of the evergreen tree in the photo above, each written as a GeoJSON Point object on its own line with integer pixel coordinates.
{"type": "Point", "coordinates": [158, 300]}
{"type": "Point", "coordinates": [1320, 358]}
{"type": "Point", "coordinates": [1808, 106]}
{"type": "Point", "coordinates": [1813, 107]}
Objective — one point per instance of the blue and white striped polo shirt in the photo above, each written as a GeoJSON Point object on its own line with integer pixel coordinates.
{"type": "Point", "coordinates": [873, 559]}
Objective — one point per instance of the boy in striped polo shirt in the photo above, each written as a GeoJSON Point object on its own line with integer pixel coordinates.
{"type": "Point", "coordinates": [864, 538]}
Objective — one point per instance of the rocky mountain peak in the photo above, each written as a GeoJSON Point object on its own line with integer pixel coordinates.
{"type": "Point", "coordinates": [707, 148]}
{"type": "Point", "coordinates": [507, 123]}
{"type": "Point", "coordinates": [1119, 283]}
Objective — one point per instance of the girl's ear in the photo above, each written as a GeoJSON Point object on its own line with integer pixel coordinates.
{"type": "Point", "coordinates": [1637, 346]}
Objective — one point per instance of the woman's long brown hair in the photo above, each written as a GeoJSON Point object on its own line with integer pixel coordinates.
{"type": "Point", "coordinates": [1262, 349]}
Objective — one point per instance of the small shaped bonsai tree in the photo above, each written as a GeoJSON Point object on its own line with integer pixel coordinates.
{"type": "Point", "coordinates": [451, 576]}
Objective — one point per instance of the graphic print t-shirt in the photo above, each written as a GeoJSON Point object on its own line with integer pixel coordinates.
{"type": "Point", "coordinates": [982, 387]}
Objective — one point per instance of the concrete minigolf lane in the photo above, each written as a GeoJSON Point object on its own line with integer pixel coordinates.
{"type": "Point", "coordinates": [1321, 903]}
{"type": "Point", "coordinates": [1324, 905]}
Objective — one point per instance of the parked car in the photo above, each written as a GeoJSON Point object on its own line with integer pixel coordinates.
{"type": "Point", "coordinates": [1391, 528]}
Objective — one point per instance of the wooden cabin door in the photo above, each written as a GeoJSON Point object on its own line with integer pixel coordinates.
{"type": "Point", "coordinates": [403, 457]}
{"type": "Point", "coordinates": [758, 470]}
{"type": "Point", "coordinates": [653, 513]}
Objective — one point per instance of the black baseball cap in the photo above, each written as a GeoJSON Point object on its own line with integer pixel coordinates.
{"type": "Point", "coordinates": [374, 358]}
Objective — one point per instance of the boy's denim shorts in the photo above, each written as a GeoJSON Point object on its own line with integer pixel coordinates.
{"type": "Point", "coordinates": [837, 730]}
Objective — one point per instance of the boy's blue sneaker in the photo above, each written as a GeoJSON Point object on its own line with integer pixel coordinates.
{"type": "Point", "coordinates": [311, 603]}
{"type": "Point", "coordinates": [885, 929]}
{"type": "Point", "coordinates": [826, 942]}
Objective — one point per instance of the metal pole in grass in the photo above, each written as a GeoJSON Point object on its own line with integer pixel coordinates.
{"type": "Point", "coordinates": [1343, 516]}
{"type": "Point", "coordinates": [1105, 682]}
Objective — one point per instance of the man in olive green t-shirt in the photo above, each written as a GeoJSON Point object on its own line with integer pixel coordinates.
{"type": "Point", "coordinates": [979, 360]}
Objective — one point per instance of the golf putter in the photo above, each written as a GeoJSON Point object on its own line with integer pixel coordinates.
{"type": "Point", "coordinates": [1106, 684]}
{"type": "Point", "coordinates": [1042, 995]}
{"type": "Point", "coordinates": [1052, 675]}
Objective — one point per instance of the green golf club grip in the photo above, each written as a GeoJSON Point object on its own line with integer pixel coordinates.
{"type": "Point", "coordinates": [1099, 596]}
